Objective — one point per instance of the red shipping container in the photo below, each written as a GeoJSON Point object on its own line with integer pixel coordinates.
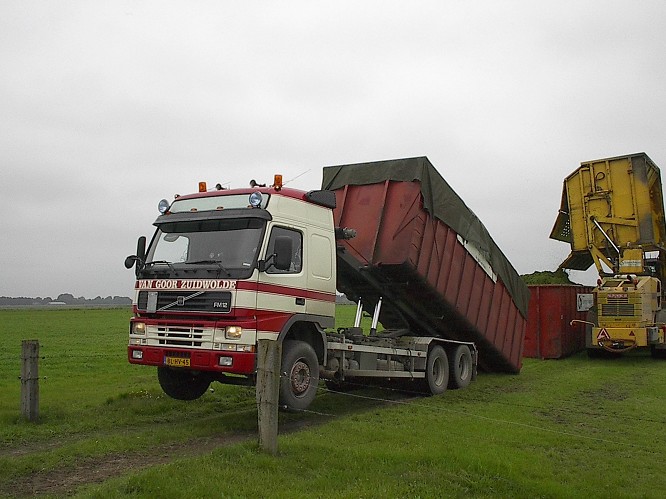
{"type": "Point", "coordinates": [549, 334]}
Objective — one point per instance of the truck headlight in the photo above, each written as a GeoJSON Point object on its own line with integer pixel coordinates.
{"type": "Point", "coordinates": [233, 332]}
{"type": "Point", "coordinates": [138, 328]}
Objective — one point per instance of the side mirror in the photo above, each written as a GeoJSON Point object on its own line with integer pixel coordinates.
{"type": "Point", "coordinates": [283, 251]}
{"type": "Point", "coordinates": [129, 261]}
{"type": "Point", "coordinates": [140, 257]}
{"type": "Point", "coordinates": [281, 257]}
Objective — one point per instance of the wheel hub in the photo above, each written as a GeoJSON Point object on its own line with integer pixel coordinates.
{"type": "Point", "coordinates": [300, 377]}
{"type": "Point", "coordinates": [463, 367]}
{"type": "Point", "coordinates": [438, 371]}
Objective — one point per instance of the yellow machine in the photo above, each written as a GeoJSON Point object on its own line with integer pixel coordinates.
{"type": "Point", "coordinates": [612, 215]}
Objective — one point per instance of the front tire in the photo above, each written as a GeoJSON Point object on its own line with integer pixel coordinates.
{"type": "Point", "coordinates": [299, 375]}
{"type": "Point", "coordinates": [181, 384]}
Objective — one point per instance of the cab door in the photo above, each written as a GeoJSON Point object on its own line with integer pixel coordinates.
{"type": "Point", "coordinates": [281, 289]}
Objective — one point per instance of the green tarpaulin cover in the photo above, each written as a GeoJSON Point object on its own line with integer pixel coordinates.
{"type": "Point", "coordinates": [442, 202]}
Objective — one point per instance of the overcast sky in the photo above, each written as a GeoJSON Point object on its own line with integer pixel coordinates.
{"type": "Point", "coordinates": [107, 107]}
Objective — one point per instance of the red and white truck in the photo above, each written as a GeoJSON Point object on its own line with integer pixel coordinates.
{"type": "Point", "coordinates": [226, 268]}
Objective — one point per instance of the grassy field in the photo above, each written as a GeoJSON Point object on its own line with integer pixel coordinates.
{"type": "Point", "coordinates": [568, 428]}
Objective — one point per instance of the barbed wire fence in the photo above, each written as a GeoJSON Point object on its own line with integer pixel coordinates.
{"type": "Point", "coordinates": [29, 379]}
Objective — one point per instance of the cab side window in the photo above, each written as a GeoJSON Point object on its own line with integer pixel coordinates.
{"type": "Point", "coordinates": [296, 253]}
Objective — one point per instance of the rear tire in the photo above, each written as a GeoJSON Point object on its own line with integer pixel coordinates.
{"type": "Point", "coordinates": [299, 375]}
{"type": "Point", "coordinates": [437, 370]}
{"type": "Point", "coordinates": [182, 384]}
{"type": "Point", "coordinates": [461, 367]}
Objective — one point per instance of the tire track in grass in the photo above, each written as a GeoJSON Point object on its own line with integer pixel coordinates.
{"type": "Point", "coordinates": [65, 481]}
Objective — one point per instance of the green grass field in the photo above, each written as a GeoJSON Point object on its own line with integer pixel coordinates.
{"type": "Point", "coordinates": [567, 428]}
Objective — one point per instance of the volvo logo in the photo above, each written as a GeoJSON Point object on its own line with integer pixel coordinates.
{"type": "Point", "coordinates": [180, 301]}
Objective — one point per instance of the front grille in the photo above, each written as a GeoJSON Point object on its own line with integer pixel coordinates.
{"type": "Point", "coordinates": [178, 336]}
{"type": "Point", "coordinates": [617, 307]}
{"type": "Point", "coordinates": [178, 301]}
{"type": "Point", "coordinates": [615, 310]}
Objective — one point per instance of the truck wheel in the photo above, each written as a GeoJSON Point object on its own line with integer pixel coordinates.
{"type": "Point", "coordinates": [299, 375]}
{"type": "Point", "coordinates": [460, 367]}
{"type": "Point", "coordinates": [182, 384]}
{"type": "Point", "coordinates": [437, 370]}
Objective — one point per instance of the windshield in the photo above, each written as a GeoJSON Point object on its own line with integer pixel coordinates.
{"type": "Point", "coordinates": [227, 247]}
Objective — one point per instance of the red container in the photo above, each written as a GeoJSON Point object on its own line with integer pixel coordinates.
{"type": "Point", "coordinates": [549, 334]}
{"type": "Point", "coordinates": [435, 286]}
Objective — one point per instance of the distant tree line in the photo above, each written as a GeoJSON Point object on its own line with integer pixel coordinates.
{"type": "Point", "coordinates": [67, 299]}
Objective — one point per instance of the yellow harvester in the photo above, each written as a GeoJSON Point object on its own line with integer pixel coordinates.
{"type": "Point", "coordinates": [612, 215]}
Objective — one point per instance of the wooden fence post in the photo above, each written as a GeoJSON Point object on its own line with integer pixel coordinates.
{"type": "Point", "coordinates": [269, 355]}
{"type": "Point", "coordinates": [30, 380]}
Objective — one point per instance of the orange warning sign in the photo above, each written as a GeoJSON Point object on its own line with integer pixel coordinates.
{"type": "Point", "coordinates": [603, 334]}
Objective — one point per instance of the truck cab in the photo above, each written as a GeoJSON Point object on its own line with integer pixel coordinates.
{"type": "Point", "coordinates": [226, 268]}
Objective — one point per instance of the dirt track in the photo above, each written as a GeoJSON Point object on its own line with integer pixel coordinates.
{"type": "Point", "coordinates": [65, 481]}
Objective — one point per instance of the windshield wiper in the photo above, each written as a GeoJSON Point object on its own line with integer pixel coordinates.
{"type": "Point", "coordinates": [213, 262]}
{"type": "Point", "coordinates": [160, 262]}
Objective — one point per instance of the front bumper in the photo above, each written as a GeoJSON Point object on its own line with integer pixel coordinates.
{"type": "Point", "coordinates": [199, 360]}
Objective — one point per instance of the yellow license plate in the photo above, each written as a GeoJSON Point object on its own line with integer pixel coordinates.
{"type": "Point", "coordinates": [177, 362]}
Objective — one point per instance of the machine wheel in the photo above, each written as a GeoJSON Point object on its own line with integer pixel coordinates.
{"type": "Point", "coordinates": [601, 353]}
{"type": "Point", "coordinates": [299, 375]}
{"type": "Point", "coordinates": [437, 370]}
{"type": "Point", "coordinates": [591, 318]}
{"type": "Point", "coordinates": [596, 353]}
{"type": "Point", "coordinates": [181, 384]}
{"type": "Point", "coordinates": [460, 367]}
{"type": "Point", "coordinates": [657, 353]}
